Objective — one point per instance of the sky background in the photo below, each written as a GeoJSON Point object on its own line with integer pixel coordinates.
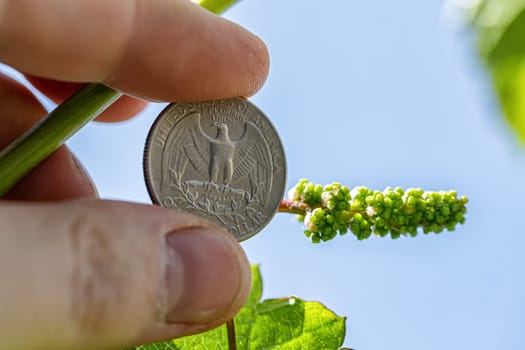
{"type": "Point", "coordinates": [376, 93]}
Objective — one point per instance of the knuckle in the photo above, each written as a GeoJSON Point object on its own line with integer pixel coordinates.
{"type": "Point", "coordinates": [96, 276]}
{"type": "Point", "coordinates": [115, 275]}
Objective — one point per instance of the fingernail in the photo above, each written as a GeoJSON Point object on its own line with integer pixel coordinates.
{"type": "Point", "coordinates": [207, 276]}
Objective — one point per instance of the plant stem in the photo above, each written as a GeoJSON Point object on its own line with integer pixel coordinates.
{"type": "Point", "coordinates": [232, 339]}
{"type": "Point", "coordinates": [293, 207]}
{"type": "Point", "coordinates": [26, 152]}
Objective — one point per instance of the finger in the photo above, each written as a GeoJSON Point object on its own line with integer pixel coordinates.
{"type": "Point", "coordinates": [124, 108]}
{"type": "Point", "coordinates": [58, 177]}
{"type": "Point", "coordinates": [168, 50]}
{"type": "Point", "coordinates": [100, 274]}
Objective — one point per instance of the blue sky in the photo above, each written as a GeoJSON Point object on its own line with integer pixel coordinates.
{"type": "Point", "coordinates": [376, 93]}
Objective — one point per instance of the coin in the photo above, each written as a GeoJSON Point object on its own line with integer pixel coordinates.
{"type": "Point", "coordinates": [221, 160]}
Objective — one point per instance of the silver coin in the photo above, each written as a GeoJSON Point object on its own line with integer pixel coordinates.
{"type": "Point", "coordinates": [220, 160]}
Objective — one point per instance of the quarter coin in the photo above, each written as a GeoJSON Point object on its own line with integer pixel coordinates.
{"type": "Point", "coordinates": [221, 160]}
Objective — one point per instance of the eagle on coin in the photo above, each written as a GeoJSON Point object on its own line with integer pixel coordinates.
{"type": "Point", "coordinates": [241, 164]}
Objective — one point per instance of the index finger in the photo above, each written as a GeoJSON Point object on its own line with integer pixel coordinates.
{"type": "Point", "coordinates": [167, 50]}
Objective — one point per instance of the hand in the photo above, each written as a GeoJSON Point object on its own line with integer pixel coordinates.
{"type": "Point", "coordinates": [82, 273]}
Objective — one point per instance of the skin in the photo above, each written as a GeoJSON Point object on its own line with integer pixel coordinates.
{"type": "Point", "coordinates": [77, 272]}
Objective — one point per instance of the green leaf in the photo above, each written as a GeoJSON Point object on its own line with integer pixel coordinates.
{"type": "Point", "coordinates": [501, 32]}
{"type": "Point", "coordinates": [284, 324]}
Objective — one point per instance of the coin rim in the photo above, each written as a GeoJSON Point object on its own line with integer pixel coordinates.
{"type": "Point", "coordinates": [148, 181]}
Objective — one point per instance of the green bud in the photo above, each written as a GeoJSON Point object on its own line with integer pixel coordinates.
{"type": "Point", "coordinates": [364, 224]}
{"type": "Point", "coordinates": [318, 213]}
{"type": "Point", "coordinates": [342, 205]}
{"type": "Point", "coordinates": [345, 215]}
{"type": "Point", "coordinates": [356, 205]}
{"type": "Point", "coordinates": [381, 231]}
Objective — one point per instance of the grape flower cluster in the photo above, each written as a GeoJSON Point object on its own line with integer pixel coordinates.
{"type": "Point", "coordinates": [335, 209]}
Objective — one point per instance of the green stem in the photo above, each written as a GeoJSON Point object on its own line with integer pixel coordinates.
{"type": "Point", "coordinates": [26, 152]}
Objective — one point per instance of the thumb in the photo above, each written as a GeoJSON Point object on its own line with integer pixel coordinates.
{"type": "Point", "coordinates": [103, 274]}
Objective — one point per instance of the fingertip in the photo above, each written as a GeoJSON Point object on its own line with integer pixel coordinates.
{"type": "Point", "coordinates": [215, 275]}
{"type": "Point", "coordinates": [260, 60]}
{"type": "Point", "coordinates": [214, 272]}
{"type": "Point", "coordinates": [123, 109]}
{"type": "Point", "coordinates": [198, 56]}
